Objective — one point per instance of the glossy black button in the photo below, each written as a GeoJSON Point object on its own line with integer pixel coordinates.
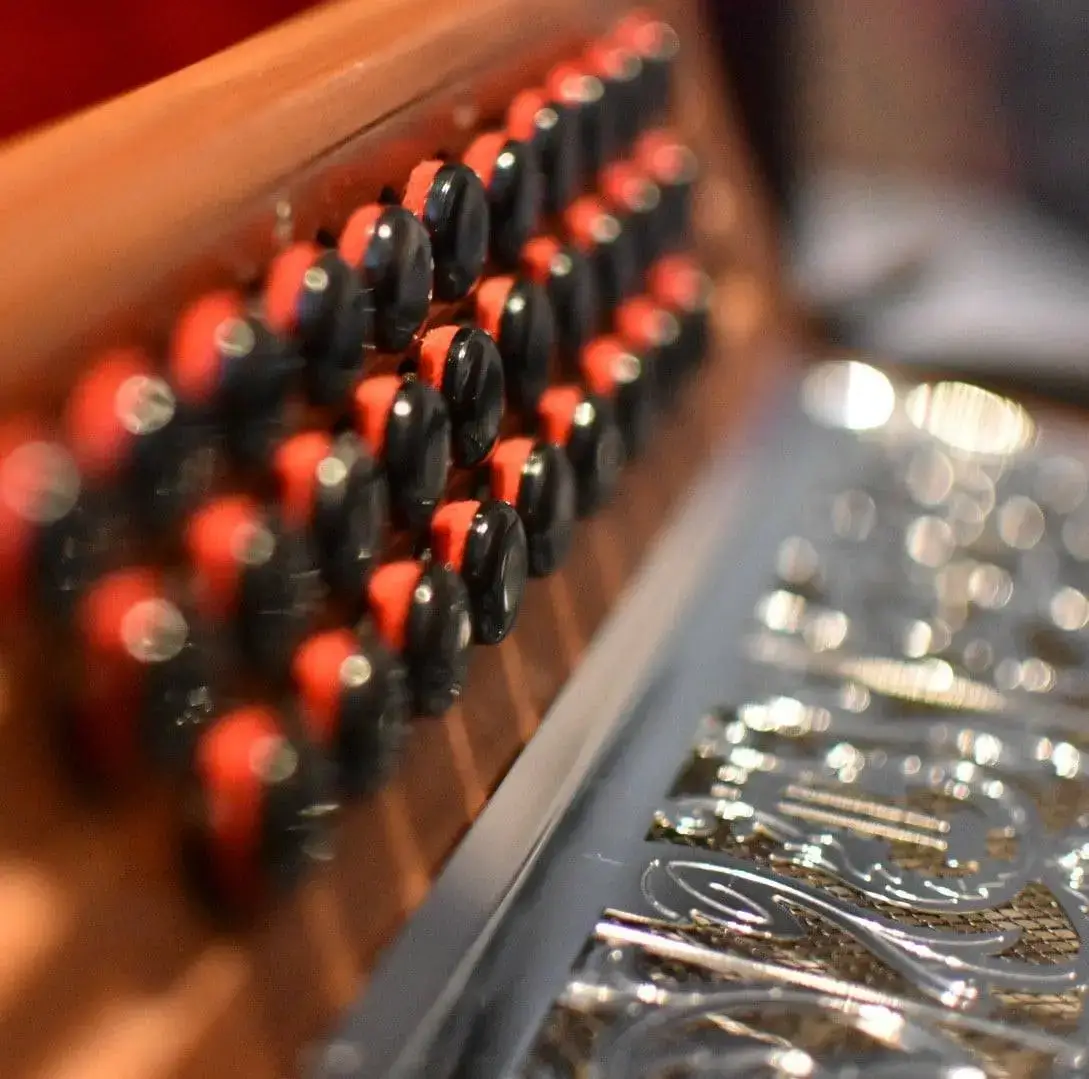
{"type": "Point", "coordinates": [620, 71]}
{"type": "Point", "coordinates": [584, 94]}
{"type": "Point", "coordinates": [314, 297]}
{"type": "Point", "coordinates": [586, 428]}
{"type": "Point", "coordinates": [517, 314]}
{"type": "Point", "coordinates": [512, 178]}
{"type": "Point", "coordinates": [47, 548]}
{"type": "Point", "coordinates": [450, 200]}
{"type": "Point", "coordinates": [391, 250]}
{"type": "Point", "coordinates": [464, 365]}
{"type": "Point", "coordinates": [654, 334]}
{"type": "Point", "coordinates": [259, 807]}
{"type": "Point", "coordinates": [611, 369]}
{"type": "Point", "coordinates": [636, 201]}
{"type": "Point", "coordinates": [124, 428]}
{"type": "Point", "coordinates": [568, 279]}
{"type": "Point", "coordinates": [608, 246]}
{"type": "Point", "coordinates": [680, 285]}
{"type": "Point", "coordinates": [673, 167]}
{"type": "Point", "coordinates": [424, 613]}
{"type": "Point", "coordinates": [231, 369]}
{"type": "Point", "coordinates": [656, 45]}
{"type": "Point", "coordinates": [486, 543]}
{"type": "Point", "coordinates": [252, 578]}
{"type": "Point", "coordinates": [536, 478]}
{"type": "Point", "coordinates": [405, 423]}
{"type": "Point", "coordinates": [333, 487]}
{"type": "Point", "coordinates": [144, 694]}
{"type": "Point", "coordinates": [355, 699]}
{"type": "Point", "coordinates": [550, 127]}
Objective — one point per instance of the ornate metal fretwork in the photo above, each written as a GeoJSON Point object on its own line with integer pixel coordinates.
{"type": "Point", "coordinates": [873, 862]}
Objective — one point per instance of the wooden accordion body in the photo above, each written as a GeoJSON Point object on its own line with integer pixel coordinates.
{"type": "Point", "coordinates": [111, 223]}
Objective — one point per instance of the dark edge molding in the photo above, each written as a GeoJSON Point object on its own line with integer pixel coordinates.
{"type": "Point", "coordinates": [419, 1012]}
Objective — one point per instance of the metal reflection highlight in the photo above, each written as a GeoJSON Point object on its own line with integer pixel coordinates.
{"type": "Point", "coordinates": [849, 395]}
{"type": "Point", "coordinates": [970, 419]}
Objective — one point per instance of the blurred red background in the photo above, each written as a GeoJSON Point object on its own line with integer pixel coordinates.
{"type": "Point", "coordinates": [60, 55]}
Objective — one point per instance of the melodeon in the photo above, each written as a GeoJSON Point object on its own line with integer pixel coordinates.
{"type": "Point", "coordinates": [448, 634]}
{"type": "Point", "coordinates": [351, 377]}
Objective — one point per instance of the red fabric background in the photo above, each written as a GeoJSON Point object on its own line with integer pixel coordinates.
{"type": "Point", "coordinates": [58, 56]}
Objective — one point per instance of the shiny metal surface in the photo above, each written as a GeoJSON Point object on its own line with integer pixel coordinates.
{"type": "Point", "coordinates": [871, 857]}
{"type": "Point", "coordinates": [916, 669]}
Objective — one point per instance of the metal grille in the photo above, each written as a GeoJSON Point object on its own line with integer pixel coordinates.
{"type": "Point", "coordinates": [911, 696]}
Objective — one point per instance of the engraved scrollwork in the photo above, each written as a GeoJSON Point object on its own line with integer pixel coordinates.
{"type": "Point", "coordinates": [849, 815]}
{"type": "Point", "coordinates": [822, 822]}
{"type": "Point", "coordinates": [720, 1014]}
{"type": "Point", "coordinates": [733, 1033]}
{"type": "Point", "coordinates": [953, 968]}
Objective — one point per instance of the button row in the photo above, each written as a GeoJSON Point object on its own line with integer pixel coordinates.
{"type": "Point", "coordinates": [293, 494]}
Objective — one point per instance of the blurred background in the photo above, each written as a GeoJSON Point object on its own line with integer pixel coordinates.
{"type": "Point", "coordinates": [930, 158]}
{"type": "Point", "coordinates": [931, 162]}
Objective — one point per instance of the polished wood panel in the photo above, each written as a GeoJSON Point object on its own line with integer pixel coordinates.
{"type": "Point", "coordinates": [107, 967]}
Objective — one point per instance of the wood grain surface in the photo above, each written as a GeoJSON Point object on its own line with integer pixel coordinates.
{"type": "Point", "coordinates": [107, 223]}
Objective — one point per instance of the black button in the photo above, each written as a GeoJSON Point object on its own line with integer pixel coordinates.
{"type": "Point", "coordinates": [546, 504]}
{"type": "Point", "coordinates": [335, 323]}
{"type": "Point", "coordinates": [439, 634]}
{"type": "Point", "coordinates": [397, 265]}
{"type": "Point", "coordinates": [656, 44]}
{"type": "Point", "coordinates": [609, 247]}
{"type": "Point", "coordinates": [124, 427]}
{"type": "Point", "coordinates": [455, 213]}
{"type": "Point", "coordinates": [230, 371]}
{"type": "Point", "coordinates": [351, 507]}
{"type": "Point", "coordinates": [569, 281]}
{"type": "Point", "coordinates": [298, 809]}
{"type": "Point", "coordinates": [247, 768]}
{"type": "Point", "coordinates": [655, 334]}
{"type": "Point", "coordinates": [178, 700]}
{"type": "Point", "coordinates": [167, 467]}
{"type": "Point", "coordinates": [673, 167]}
{"type": "Point", "coordinates": [473, 385]}
{"type": "Point", "coordinates": [595, 448]}
{"type": "Point", "coordinates": [50, 552]}
{"type": "Point", "coordinates": [636, 200]}
{"type": "Point", "coordinates": [417, 452]}
{"type": "Point", "coordinates": [526, 335]}
{"type": "Point", "coordinates": [514, 198]}
{"type": "Point", "coordinates": [551, 129]}
{"type": "Point", "coordinates": [611, 368]}
{"type": "Point", "coordinates": [372, 716]}
{"type": "Point", "coordinates": [67, 554]}
{"type": "Point", "coordinates": [674, 215]}
{"type": "Point", "coordinates": [142, 693]}
{"type": "Point", "coordinates": [620, 72]}
{"type": "Point", "coordinates": [597, 134]}
{"type": "Point", "coordinates": [279, 589]}
{"type": "Point", "coordinates": [572, 288]}
{"type": "Point", "coordinates": [682, 287]}
{"type": "Point", "coordinates": [635, 405]}
{"type": "Point", "coordinates": [695, 335]}
{"type": "Point", "coordinates": [615, 263]}
{"type": "Point", "coordinates": [257, 372]}
{"type": "Point", "coordinates": [495, 568]}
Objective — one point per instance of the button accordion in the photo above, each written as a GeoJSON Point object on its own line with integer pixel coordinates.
{"type": "Point", "coordinates": [350, 378]}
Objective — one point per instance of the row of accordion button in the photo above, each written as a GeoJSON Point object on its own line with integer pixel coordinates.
{"type": "Point", "coordinates": [141, 481]}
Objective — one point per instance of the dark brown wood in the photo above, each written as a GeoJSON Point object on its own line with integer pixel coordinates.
{"type": "Point", "coordinates": [109, 222]}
